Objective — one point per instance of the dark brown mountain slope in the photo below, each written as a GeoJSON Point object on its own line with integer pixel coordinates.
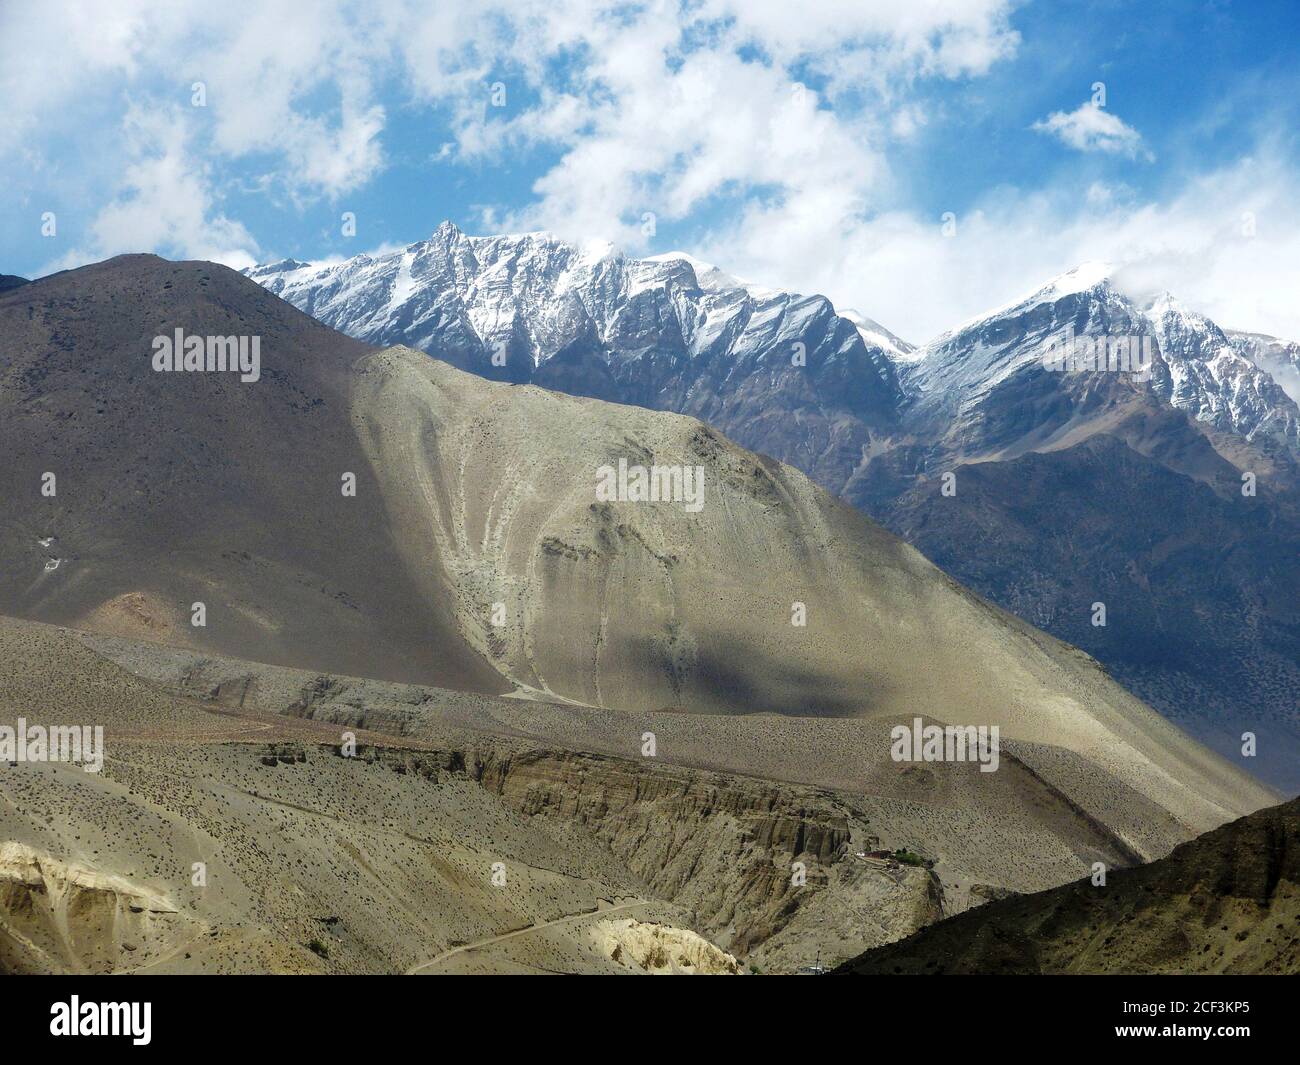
{"type": "Point", "coordinates": [176, 488]}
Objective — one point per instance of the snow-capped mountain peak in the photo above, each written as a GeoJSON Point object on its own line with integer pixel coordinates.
{"type": "Point", "coordinates": [540, 292]}
{"type": "Point", "coordinates": [876, 334]}
{"type": "Point", "coordinates": [1085, 277]}
{"type": "Point", "coordinates": [677, 332]}
{"type": "Point", "coordinates": [779, 372]}
{"type": "Point", "coordinates": [709, 277]}
{"type": "Point", "coordinates": [1280, 359]}
{"type": "Point", "coordinates": [1193, 365]}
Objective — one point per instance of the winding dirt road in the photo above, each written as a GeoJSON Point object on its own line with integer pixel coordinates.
{"type": "Point", "coordinates": [477, 944]}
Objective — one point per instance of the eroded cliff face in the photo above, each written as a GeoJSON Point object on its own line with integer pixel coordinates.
{"type": "Point", "coordinates": [768, 870]}
{"type": "Point", "coordinates": [705, 837]}
{"type": "Point", "coordinates": [649, 867]}
{"type": "Point", "coordinates": [57, 916]}
{"type": "Point", "coordinates": [660, 950]}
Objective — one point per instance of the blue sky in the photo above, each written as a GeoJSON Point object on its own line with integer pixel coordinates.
{"type": "Point", "coordinates": [815, 147]}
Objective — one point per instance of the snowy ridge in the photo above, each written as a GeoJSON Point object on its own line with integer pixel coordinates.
{"type": "Point", "coordinates": [1280, 359]}
{"type": "Point", "coordinates": [1084, 277]}
{"type": "Point", "coordinates": [535, 296]}
{"type": "Point", "coordinates": [1196, 367]}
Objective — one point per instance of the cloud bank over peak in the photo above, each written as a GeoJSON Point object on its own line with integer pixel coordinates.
{"type": "Point", "coordinates": [893, 157]}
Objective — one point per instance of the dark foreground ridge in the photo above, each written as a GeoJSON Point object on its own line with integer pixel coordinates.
{"type": "Point", "coordinates": [1226, 902]}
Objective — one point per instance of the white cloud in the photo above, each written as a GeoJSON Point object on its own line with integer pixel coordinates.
{"type": "Point", "coordinates": [879, 40]}
{"type": "Point", "coordinates": [654, 108]}
{"type": "Point", "coordinates": [307, 97]}
{"type": "Point", "coordinates": [1226, 244]}
{"type": "Point", "coordinates": [668, 108]}
{"type": "Point", "coordinates": [52, 58]}
{"type": "Point", "coordinates": [715, 126]}
{"type": "Point", "coordinates": [163, 204]}
{"type": "Point", "coordinates": [1091, 128]}
{"type": "Point", "coordinates": [299, 90]}
{"type": "Point", "coordinates": [688, 111]}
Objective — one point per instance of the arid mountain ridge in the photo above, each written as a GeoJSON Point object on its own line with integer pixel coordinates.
{"type": "Point", "coordinates": [376, 613]}
{"type": "Point", "coordinates": [474, 554]}
{"type": "Point", "coordinates": [1201, 612]}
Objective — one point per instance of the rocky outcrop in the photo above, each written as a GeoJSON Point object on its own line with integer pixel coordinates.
{"type": "Point", "coordinates": [660, 949]}
{"type": "Point", "coordinates": [751, 859]}
{"type": "Point", "coordinates": [57, 916]}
